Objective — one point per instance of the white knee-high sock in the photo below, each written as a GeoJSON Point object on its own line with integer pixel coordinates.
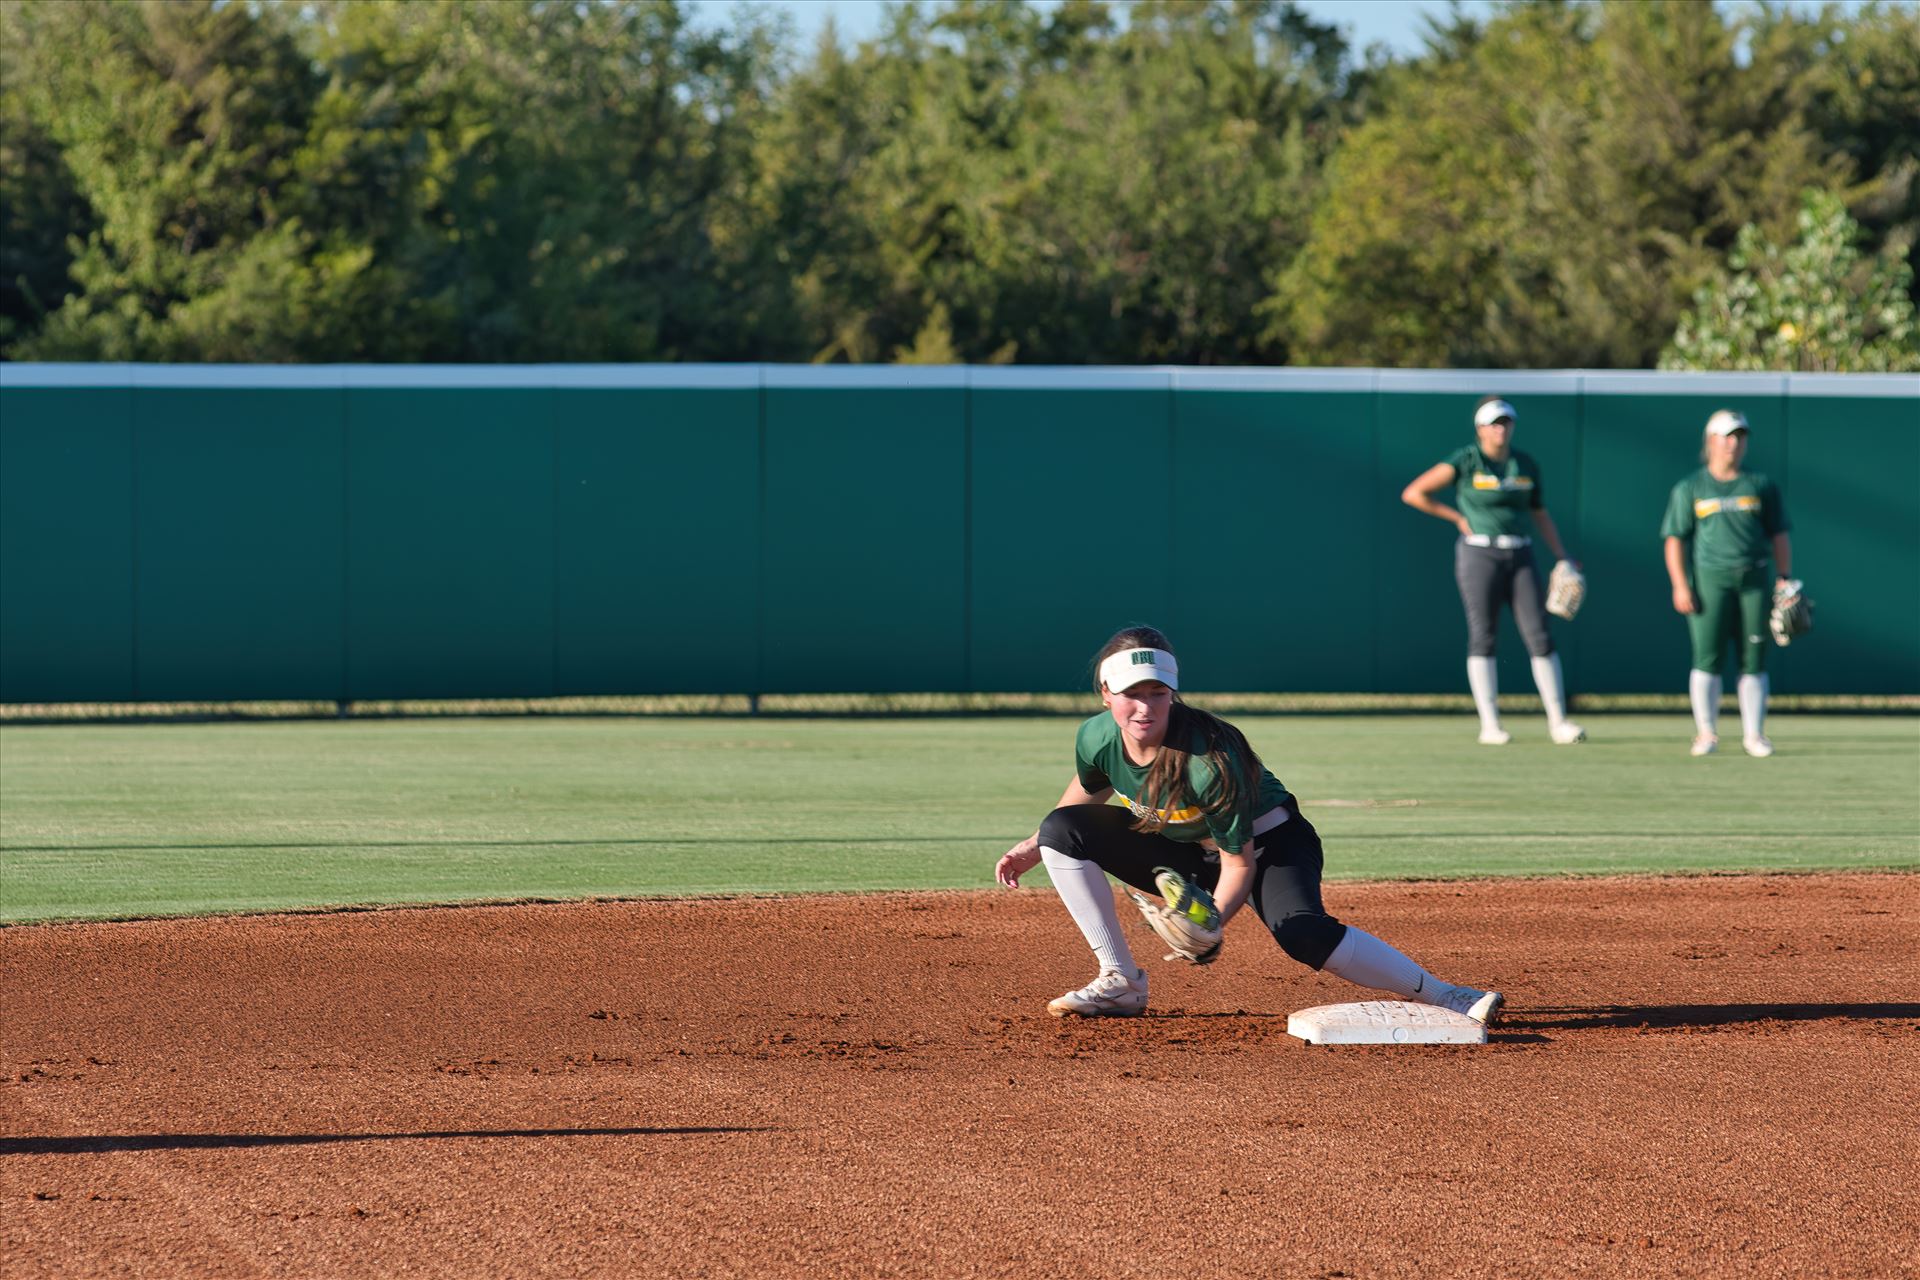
{"type": "Point", "coordinates": [1704, 688]}
{"type": "Point", "coordinates": [1753, 692]}
{"type": "Point", "coordinates": [1364, 959]}
{"type": "Point", "coordinates": [1484, 679]}
{"type": "Point", "coordinates": [1553, 696]}
{"type": "Point", "coordinates": [1083, 887]}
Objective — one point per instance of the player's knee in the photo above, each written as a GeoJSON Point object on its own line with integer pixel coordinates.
{"type": "Point", "coordinates": [1064, 829]}
{"type": "Point", "coordinates": [1309, 937]}
{"type": "Point", "coordinates": [1539, 646]}
{"type": "Point", "coordinates": [1480, 646]}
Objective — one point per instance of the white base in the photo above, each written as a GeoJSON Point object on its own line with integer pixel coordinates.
{"type": "Point", "coordinates": [1384, 1022]}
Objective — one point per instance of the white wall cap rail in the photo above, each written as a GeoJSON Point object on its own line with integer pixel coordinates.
{"type": "Point", "coordinates": [1013, 377]}
{"type": "Point", "coordinates": [1506, 382]}
{"type": "Point", "coordinates": [1484, 382]}
{"type": "Point", "coordinates": [834, 377]}
{"type": "Point", "coordinates": [1626, 383]}
{"type": "Point", "coordinates": [1240, 378]}
{"type": "Point", "coordinates": [1884, 386]}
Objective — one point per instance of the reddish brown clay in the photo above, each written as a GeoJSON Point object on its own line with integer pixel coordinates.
{"type": "Point", "coordinates": [1715, 1076]}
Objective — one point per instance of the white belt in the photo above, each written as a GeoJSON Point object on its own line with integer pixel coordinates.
{"type": "Point", "coordinates": [1505, 542]}
{"type": "Point", "coordinates": [1269, 820]}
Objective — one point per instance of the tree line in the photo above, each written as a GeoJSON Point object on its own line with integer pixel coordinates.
{"type": "Point", "coordinates": [1204, 182]}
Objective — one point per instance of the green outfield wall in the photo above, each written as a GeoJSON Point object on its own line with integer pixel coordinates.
{"type": "Point", "coordinates": [377, 532]}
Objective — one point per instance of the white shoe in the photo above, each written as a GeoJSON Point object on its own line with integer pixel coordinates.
{"type": "Point", "coordinates": [1482, 1006]}
{"type": "Point", "coordinates": [1111, 995]}
{"type": "Point", "coordinates": [1705, 744]}
{"type": "Point", "coordinates": [1495, 737]}
{"type": "Point", "coordinates": [1566, 733]}
{"type": "Point", "coordinates": [1759, 745]}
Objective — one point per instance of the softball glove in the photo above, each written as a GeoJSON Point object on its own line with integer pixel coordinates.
{"type": "Point", "coordinates": [1792, 612]}
{"type": "Point", "coordinates": [1187, 921]}
{"type": "Point", "coordinates": [1566, 590]}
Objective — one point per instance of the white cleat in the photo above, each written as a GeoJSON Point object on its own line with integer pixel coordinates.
{"type": "Point", "coordinates": [1482, 1006]}
{"type": "Point", "coordinates": [1566, 733]}
{"type": "Point", "coordinates": [1705, 744]}
{"type": "Point", "coordinates": [1495, 737]}
{"type": "Point", "coordinates": [1111, 995]}
{"type": "Point", "coordinates": [1759, 745]}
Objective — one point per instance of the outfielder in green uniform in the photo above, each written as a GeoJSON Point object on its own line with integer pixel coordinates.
{"type": "Point", "coordinates": [1723, 582]}
{"type": "Point", "coordinates": [1498, 509]}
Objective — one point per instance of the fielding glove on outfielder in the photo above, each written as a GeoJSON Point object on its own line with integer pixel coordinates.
{"type": "Point", "coordinates": [1792, 612]}
{"type": "Point", "coordinates": [1566, 590]}
{"type": "Point", "coordinates": [1188, 921]}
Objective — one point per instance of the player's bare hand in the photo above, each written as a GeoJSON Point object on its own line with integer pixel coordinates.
{"type": "Point", "coordinates": [1463, 525]}
{"type": "Point", "coordinates": [1016, 862]}
{"type": "Point", "coordinates": [1683, 601]}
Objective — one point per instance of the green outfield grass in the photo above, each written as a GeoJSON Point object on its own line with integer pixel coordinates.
{"type": "Point", "coordinates": [132, 820]}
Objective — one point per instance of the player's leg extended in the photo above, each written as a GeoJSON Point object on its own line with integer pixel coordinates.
{"type": "Point", "coordinates": [1530, 615]}
{"type": "Point", "coordinates": [1286, 893]}
{"type": "Point", "coordinates": [1754, 683]}
{"type": "Point", "coordinates": [1477, 574]}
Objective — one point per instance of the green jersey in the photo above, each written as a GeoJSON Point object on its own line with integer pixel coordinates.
{"type": "Point", "coordinates": [1100, 761]}
{"type": "Point", "coordinates": [1497, 498]}
{"type": "Point", "coordinates": [1731, 522]}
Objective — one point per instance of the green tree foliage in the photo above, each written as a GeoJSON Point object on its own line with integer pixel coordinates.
{"type": "Point", "coordinates": [177, 124]}
{"type": "Point", "coordinates": [543, 179]}
{"type": "Point", "coordinates": [1191, 181]}
{"type": "Point", "coordinates": [1051, 183]}
{"type": "Point", "coordinates": [1815, 306]}
{"type": "Point", "coordinates": [385, 181]}
{"type": "Point", "coordinates": [1547, 191]}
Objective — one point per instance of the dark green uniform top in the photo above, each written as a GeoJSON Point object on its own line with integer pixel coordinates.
{"type": "Point", "coordinates": [1731, 522]}
{"type": "Point", "coordinates": [1100, 760]}
{"type": "Point", "coordinates": [1497, 498]}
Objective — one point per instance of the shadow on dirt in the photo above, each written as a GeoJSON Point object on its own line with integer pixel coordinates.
{"type": "Point", "coordinates": [93, 1144]}
{"type": "Point", "coordinates": [1703, 1015]}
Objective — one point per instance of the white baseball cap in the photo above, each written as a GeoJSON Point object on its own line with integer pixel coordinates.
{"type": "Point", "coordinates": [1130, 667]}
{"type": "Point", "coordinates": [1725, 422]}
{"type": "Point", "coordinates": [1492, 411]}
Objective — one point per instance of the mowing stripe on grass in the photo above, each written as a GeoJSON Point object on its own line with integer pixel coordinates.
{"type": "Point", "coordinates": [100, 821]}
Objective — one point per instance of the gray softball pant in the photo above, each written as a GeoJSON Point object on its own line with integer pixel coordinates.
{"type": "Point", "coordinates": [1490, 577]}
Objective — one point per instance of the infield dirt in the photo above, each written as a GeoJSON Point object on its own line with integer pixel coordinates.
{"type": "Point", "coordinates": [1701, 1076]}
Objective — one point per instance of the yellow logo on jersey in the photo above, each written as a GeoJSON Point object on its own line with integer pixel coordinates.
{"type": "Point", "coordinates": [1704, 507]}
{"type": "Point", "coordinates": [1481, 480]}
{"type": "Point", "coordinates": [1168, 816]}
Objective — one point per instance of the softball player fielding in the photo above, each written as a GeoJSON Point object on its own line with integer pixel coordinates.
{"type": "Point", "coordinates": [1721, 524]}
{"type": "Point", "coordinates": [1198, 800]}
{"type": "Point", "coordinates": [1500, 505]}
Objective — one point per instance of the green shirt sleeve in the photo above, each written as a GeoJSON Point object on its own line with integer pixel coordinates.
{"type": "Point", "coordinates": [1679, 518]}
{"type": "Point", "coordinates": [1086, 766]}
{"type": "Point", "coordinates": [1773, 512]}
{"type": "Point", "coordinates": [1461, 460]}
{"type": "Point", "coordinates": [1537, 496]}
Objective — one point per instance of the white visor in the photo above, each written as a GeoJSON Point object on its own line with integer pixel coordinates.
{"type": "Point", "coordinates": [1130, 667]}
{"type": "Point", "coordinates": [1725, 422]}
{"type": "Point", "coordinates": [1492, 411]}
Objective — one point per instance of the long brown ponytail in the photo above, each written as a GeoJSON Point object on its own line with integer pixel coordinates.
{"type": "Point", "coordinates": [1168, 786]}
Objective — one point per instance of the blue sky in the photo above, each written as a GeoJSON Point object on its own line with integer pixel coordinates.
{"type": "Point", "coordinates": [1395, 23]}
